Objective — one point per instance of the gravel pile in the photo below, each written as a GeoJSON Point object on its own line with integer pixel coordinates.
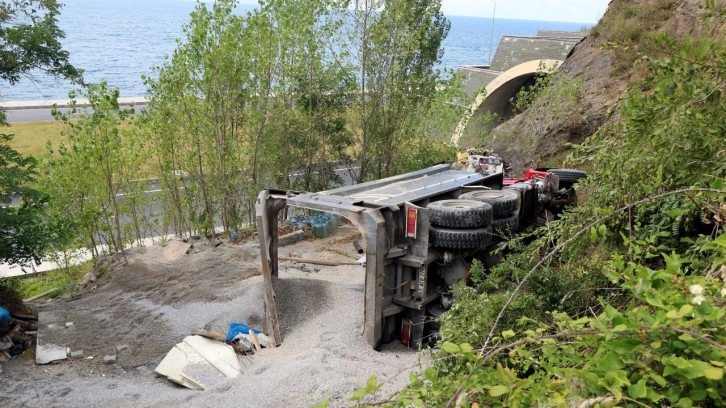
{"type": "Point", "coordinates": [151, 304]}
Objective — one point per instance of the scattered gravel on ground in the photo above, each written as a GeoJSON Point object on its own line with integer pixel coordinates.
{"type": "Point", "coordinates": [151, 304]}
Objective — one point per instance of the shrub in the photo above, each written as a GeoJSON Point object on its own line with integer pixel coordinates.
{"type": "Point", "coordinates": [652, 228]}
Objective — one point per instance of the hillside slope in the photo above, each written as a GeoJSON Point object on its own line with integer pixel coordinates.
{"type": "Point", "coordinates": [594, 77]}
{"type": "Point", "coordinates": [622, 300]}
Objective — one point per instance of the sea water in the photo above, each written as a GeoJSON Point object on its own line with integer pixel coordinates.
{"type": "Point", "coordinates": [121, 40]}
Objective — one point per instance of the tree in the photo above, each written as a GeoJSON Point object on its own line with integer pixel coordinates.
{"type": "Point", "coordinates": [92, 176]}
{"type": "Point", "coordinates": [30, 42]}
{"type": "Point", "coordinates": [266, 99]}
{"type": "Point", "coordinates": [312, 94]}
{"type": "Point", "coordinates": [244, 102]}
{"type": "Point", "coordinates": [22, 231]}
{"type": "Point", "coordinates": [398, 42]}
{"type": "Point", "coordinates": [29, 45]}
{"type": "Point", "coordinates": [201, 112]}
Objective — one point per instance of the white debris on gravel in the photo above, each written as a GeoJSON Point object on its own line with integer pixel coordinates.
{"type": "Point", "coordinates": [323, 354]}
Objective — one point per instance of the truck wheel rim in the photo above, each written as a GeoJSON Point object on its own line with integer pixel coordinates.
{"type": "Point", "coordinates": [458, 205]}
{"type": "Point", "coordinates": [487, 194]}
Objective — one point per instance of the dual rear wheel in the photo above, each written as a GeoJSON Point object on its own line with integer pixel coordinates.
{"type": "Point", "coordinates": [469, 221]}
{"type": "Point", "coordinates": [460, 224]}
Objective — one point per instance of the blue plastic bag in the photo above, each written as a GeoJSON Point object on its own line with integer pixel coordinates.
{"type": "Point", "coordinates": [237, 328]}
{"type": "Point", "coordinates": [4, 314]}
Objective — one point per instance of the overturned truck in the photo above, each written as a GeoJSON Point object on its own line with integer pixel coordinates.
{"type": "Point", "coordinates": [421, 230]}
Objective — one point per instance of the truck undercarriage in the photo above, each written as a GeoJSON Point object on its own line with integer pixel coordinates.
{"type": "Point", "coordinates": [420, 231]}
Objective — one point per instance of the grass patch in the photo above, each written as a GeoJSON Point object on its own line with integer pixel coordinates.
{"type": "Point", "coordinates": [62, 279]}
{"type": "Point", "coordinates": [31, 137]}
{"type": "Point", "coordinates": [629, 22]}
{"type": "Point", "coordinates": [628, 25]}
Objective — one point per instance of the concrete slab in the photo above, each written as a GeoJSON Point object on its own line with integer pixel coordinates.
{"type": "Point", "coordinates": [175, 249]}
{"type": "Point", "coordinates": [218, 354]}
{"type": "Point", "coordinates": [188, 368]}
{"type": "Point", "coordinates": [47, 351]}
{"type": "Point", "coordinates": [198, 363]}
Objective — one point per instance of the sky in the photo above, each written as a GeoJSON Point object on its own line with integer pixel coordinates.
{"type": "Point", "coordinates": [577, 11]}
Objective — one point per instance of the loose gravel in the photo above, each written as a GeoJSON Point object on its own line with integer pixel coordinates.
{"type": "Point", "coordinates": [151, 304]}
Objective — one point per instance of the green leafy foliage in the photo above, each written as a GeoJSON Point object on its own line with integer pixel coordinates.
{"type": "Point", "coordinates": [628, 310]}
{"type": "Point", "coordinates": [91, 178]}
{"type": "Point", "coordinates": [372, 385]}
{"type": "Point", "coordinates": [288, 94]}
{"type": "Point", "coordinates": [683, 123]}
{"type": "Point", "coordinates": [666, 347]}
{"type": "Point", "coordinates": [23, 234]}
{"type": "Point", "coordinates": [202, 113]}
{"type": "Point", "coordinates": [30, 41]}
{"type": "Point", "coordinates": [396, 44]}
{"type": "Point", "coordinates": [247, 102]}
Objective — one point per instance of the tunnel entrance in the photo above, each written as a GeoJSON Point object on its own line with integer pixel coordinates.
{"type": "Point", "coordinates": [497, 105]}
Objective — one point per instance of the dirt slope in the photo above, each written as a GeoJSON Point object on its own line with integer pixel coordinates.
{"type": "Point", "coordinates": [606, 63]}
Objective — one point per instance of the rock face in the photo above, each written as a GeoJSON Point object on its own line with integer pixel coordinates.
{"type": "Point", "coordinates": [604, 71]}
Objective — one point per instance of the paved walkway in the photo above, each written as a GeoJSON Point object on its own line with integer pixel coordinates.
{"type": "Point", "coordinates": [47, 104]}
{"type": "Point", "coordinates": [40, 111]}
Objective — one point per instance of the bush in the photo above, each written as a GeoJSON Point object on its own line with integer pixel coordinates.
{"type": "Point", "coordinates": [652, 229]}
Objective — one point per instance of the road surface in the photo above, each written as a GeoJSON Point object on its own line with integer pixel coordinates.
{"type": "Point", "coordinates": [40, 111]}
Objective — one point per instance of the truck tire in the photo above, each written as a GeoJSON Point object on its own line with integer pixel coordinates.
{"type": "Point", "coordinates": [505, 227]}
{"type": "Point", "coordinates": [568, 177]}
{"type": "Point", "coordinates": [460, 213]}
{"type": "Point", "coordinates": [504, 202]}
{"type": "Point", "coordinates": [460, 238]}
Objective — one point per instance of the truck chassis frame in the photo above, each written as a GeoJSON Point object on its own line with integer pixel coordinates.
{"type": "Point", "coordinates": [393, 260]}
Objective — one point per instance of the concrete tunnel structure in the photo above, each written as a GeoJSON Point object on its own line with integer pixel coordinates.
{"type": "Point", "coordinates": [516, 64]}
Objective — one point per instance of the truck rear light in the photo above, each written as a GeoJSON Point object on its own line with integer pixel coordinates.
{"type": "Point", "coordinates": [406, 333]}
{"type": "Point", "coordinates": [411, 218]}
